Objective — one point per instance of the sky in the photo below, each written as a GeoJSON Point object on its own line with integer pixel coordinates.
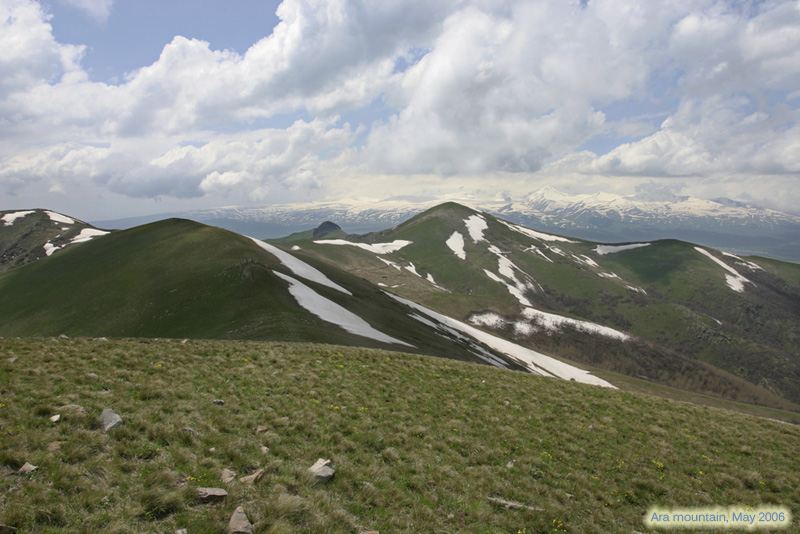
{"type": "Point", "coordinates": [119, 108]}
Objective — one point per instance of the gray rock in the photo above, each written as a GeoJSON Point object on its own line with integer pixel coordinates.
{"type": "Point", "coordinates": [27, 468]}
{"type": "Point", "coordinates": [228, 476]}
{"type": "Point", "coordinates": [206, 495]}
{"type": "Point", "coordinates": [322, 470]}
{"type": "Point", "coordinates": [218, 402]}
{"type": "Point", "coordinates": [182, 531]}
{"type": "Point", "coordinates": [239, 524]}
{"type": "Point", "coordinates": [92, 375]}
{"type": "Point", "coordinates": [262, 429]}
{"type": "Point", "coordinates": [110, 419]}
{"type": "Point", "coordinates": [63, 336]}
{"type": "Point", "coordinates": [14, 359]}
{"type": "Point", "coordinates": [265, 449]}
{"type": "Point", "coordinates": [56, 418]}
{"type": "Point", "coordinates": [254, 478]}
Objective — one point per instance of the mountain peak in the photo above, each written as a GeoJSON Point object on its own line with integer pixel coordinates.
{"type": "Point", "coordinates": [325, 228]}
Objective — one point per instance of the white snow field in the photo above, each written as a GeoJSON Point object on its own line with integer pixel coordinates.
{"type": "Point", "coordinates": [329, 311]}
{"type": "Point", "coordinates": [49, 248]}
{"type": "Point", "coordinates": [534, 234]}
{"type": "Point", "coordinates": [602, 250]}
{"type": "Point", "coordinates": [9, 218]}
{"type": "Point", "coordinates": [456, 244]}
{"type": "Point", "coordinates": [744, 263]}
{"type": "Point", "coordinates": [377, 248]}
{"type": "Point", "coordinates": [548, 321]}
{"type": "Point", "coordinates": [534, 361]}
{"type": "Point", "coordinates": [734, 280]}
{"type": "Point", "coordinates": [57, 217]}
{"type": "Point", "coordinates": [299, 267]}
{"type": "Point", "coordinates": [87, 234]}
{"type": "Point", "coordinates": [475, 226]}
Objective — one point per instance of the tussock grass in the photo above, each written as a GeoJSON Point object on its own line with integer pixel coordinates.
{"type": "Point", "coordinates": [419, 444]}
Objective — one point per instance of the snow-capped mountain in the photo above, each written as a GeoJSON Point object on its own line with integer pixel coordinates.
{"type": "Point", "coordinates": [721, 223]}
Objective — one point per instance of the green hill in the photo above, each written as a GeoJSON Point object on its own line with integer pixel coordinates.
{"type": "Point", "coordinates": [699, 319]}
{"type": "Point", "coordinates": [181, 279]}
{"type": "Point", "coordinates": [418, 444]}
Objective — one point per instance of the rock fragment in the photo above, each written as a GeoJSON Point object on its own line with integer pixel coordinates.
{"type": "Point", "coordinates": [239, 523]}
{"type": "Point", "coordinates": [27, 468]}
{"type": "Point", "coordinates": [254, 478]}
{"type": "Point", "coordinates": [228, 476]}
{"type": "Point", "coordinates": [207, 495]}
{"type": "Point", "coordinates": [56, 418]}
{"type": "Point", "coordinates": [110, 419]}
{"type": "Point", "coordinates": [322, 470]}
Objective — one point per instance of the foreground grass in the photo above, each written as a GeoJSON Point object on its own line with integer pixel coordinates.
{"type": "Point", "coordinates": [419, 444]}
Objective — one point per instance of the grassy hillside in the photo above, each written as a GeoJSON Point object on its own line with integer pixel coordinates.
{"type": "Point", "coordinates": [182, 279]}
{"type": "Point", "coordinates": [419, 444]}
{"type": "Point", "coordinates": [692, 329]}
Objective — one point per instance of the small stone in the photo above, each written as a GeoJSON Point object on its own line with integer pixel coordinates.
{"type": "Point", "coordinates": [322, 470]}
{"type": "Point", "coordinates": [206, 495]}
{"type": "Point", "coordinates": [228, 476]}
{"type": "Point", "coordinates": [190, 430]}
{"type": "Point", "coordinates": [14, 359]}
{"type": "Point", "coordinates": [56, 418]}
{"type": "Point", "coordinates": [513, 505]}
{"type": "Point", "coordinates": [254, 478]}
{"type": "Point", "coordinates": [510, 464]}
{"type": "Point", "coordinates": [27, 468]}
{"type": "Point", "coordinates": [265, 449]}
{"type": "Point", "coordinates": [239, 524]}
{"type": "Point", "coordinates": [101, 339]}
{"type": "Point", "coordinates": [92, 375]}
{"type": "Point", "coordinates": [182, 531]}
{"type": "Point", "coordinates": [110, 419]}
{"type": "Point", "coordinates": [184, 342]}
{"type": "Point", "coordinates": [262, 429]}
{"type": "Point", "coordinates": [218, 402]}
{"type": "Point", "coordinates": [63, 336]}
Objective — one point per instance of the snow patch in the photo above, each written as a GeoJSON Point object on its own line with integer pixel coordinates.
{"type": "Point", "coordinates": [329, 311]}
{"type": "Point", "coordinates": [513, 289]}
{"type": "Point", "coordinates": [734, 280]}
{"type": "Point", "coordinates": [9, 218]}
{"type": "Point", "coordinates": [49, 248]}
{"type": "Point", "coordinates": [586, 260]}
{"type": "Point", "coordinates": [57, 217]}
{"type": "Point", "coordinates": [608, 275]}
{"type": "Point", "coordinates": [538, 251]}
{"type": "Point", "coordinates": [377, 248]}
{"type": "Point", "coordinates": [490, 319]}
{"type": "Point", "coordinates": [536, 235]}
{"type": "Point", "coordinates": [296, 247]}
{"type": "Point", "coordinates": [602, 250]}
{"type": "Point", "coordinates": [390, 263]}
{"type": "Point", "coordinates": [535, 362]}
{"type": "Point", "coordinates": [553, 323]}
{"type": "Point", "coordinates": [475, 226]}
{"type": "Point", "coordinates": [637, 289]}
{"type": "Point", "coordinates": [299, 267]}
{"type": "Point", "coordinates": [456, 244]}
{"type": "Point", "coordinates": [744, 263]}
{"type": "Point", "coordinates": [87, 234]}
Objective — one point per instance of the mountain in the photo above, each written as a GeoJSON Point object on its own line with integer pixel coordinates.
{"type": "Point", "coordinates": [28, 235]}
{"type": "Point", "coordinates": [451, 282]}
{"type": "Point", "coordinates": [180, 279]}
{"type": "Point", "coordinates": [721, 223]}
{"type": "Point", "coordinates": [666, 311]}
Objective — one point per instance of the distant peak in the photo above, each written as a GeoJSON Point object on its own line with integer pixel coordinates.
{"type": "Point", "coordinates": [325, 228]}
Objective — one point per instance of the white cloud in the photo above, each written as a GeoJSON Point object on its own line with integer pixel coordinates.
{"type": "Point", "coordinates": [471, 90]}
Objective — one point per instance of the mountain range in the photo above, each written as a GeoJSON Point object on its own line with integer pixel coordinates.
{"type": "Point", "coordinates": [721, 223]}
{"type": "Point", "coordinates": [451, 282]}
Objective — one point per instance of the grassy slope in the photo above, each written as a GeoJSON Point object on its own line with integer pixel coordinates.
{"type": "Point", "coordinates": [418, 443]}
{"type": "Point", "coordinates": [177, 278]}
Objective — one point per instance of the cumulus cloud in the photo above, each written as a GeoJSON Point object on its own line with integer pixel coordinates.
{"type": "Point", "coordinates": [469, 90]}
